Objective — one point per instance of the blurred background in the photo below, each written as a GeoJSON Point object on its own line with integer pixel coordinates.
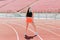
{"type": "Point", "coordinates": [42, 9]}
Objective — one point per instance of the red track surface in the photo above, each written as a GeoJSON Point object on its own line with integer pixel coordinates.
{"type": "Point", "coordinates": [47, 29]}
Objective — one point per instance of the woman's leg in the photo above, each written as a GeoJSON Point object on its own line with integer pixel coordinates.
{"type": "Point", "coordinates": [27, 27]}
{"type": "Point", "coordinates": [35, 29]}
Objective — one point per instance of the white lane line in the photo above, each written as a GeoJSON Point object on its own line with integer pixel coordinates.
{"type": "Point", "coordinates": [42, 27]}
{"type": "Point", "coordinates": [34, 32]}
{"type": "Point", "coordinates": [48, 30]}
{"type": "Point", "coordinates": [13, 30]}
{"type": "Point", "coordinates": [30, 30]}
{"type": "Point", "coordinates": [51, 26]}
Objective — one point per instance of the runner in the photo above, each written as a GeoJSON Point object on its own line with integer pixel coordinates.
{"type": "Point", "coordinates": [29, 20]}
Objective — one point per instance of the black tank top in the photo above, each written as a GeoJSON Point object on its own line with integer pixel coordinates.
{"type": "Point", "coordinates": [29, 14]}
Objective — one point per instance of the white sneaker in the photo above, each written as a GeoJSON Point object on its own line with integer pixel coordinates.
{"type": "Point", "coordinates": [24, 33]}
{"type": "Point", "coordinates": [36, 33]}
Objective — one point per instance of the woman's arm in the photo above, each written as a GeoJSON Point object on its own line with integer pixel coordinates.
{"type": "Point", "coordinates": [32, 14]}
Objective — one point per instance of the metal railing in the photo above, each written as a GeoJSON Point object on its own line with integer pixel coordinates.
{"type": "Point", "coordinates": [36, 15]}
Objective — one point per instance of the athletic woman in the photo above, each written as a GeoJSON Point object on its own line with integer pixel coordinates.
{"type": "Point", "coordinates": [29, 20]}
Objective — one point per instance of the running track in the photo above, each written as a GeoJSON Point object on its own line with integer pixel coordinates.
{"type": "Point", "coordinates": [14, 29]}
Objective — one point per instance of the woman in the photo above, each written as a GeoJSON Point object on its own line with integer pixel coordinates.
{"type": "Point", "coordinates": [29, 19]}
